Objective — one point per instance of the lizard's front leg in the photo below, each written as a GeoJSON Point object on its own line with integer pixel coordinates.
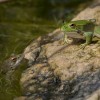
{"type": "Point", "coordinates": [65, 39]}
{"type": "Point", "coordinates": [89, 36]}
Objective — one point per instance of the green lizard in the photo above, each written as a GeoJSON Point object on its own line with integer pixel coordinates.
{"type": "Point", "coordinates": [81, 29]}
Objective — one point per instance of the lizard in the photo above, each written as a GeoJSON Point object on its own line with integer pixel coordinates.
{"type": "Point", "coordinates": [81, 29]}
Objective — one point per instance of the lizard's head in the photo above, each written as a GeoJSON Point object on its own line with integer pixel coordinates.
{"type": "Point", "coordinates": [77, 25]}
{"type": "Point", "coordinates": [69, 27]}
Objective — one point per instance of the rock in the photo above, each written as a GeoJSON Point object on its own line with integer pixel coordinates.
{"type": "Point", "coordinates": [95, 96]}
{"type": "Point", "coordinates": [73, 58]}
{"type": "Point", "coordinates": [62, 71]}
{"type": "Point", "coordinates": [41, 75]}
{"type": "Point", "coordinates": [31, 53]}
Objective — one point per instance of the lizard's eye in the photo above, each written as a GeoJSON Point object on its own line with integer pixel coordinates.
{"type": "Point", "coordinates": [72, 25]}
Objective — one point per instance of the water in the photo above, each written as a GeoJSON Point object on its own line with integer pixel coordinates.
{"type": "Point", "coordinates": [21, 21]}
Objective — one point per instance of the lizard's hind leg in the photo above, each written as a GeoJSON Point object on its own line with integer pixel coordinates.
{"type": "Point", "coordinates": [88, 36]}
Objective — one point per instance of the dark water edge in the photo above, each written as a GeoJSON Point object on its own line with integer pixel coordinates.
{"type": "Point", "coordinates": [21, 21]}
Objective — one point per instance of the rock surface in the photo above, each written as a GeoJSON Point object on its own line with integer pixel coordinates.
{"type": "Point", "coordinates": [62, 72]}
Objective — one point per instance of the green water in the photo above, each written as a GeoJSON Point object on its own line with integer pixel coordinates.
{"type": "Point", "coordinates": [21, 21]}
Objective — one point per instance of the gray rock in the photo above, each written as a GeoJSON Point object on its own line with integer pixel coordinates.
{"type": "Point", "coordinates": [67, 71]}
